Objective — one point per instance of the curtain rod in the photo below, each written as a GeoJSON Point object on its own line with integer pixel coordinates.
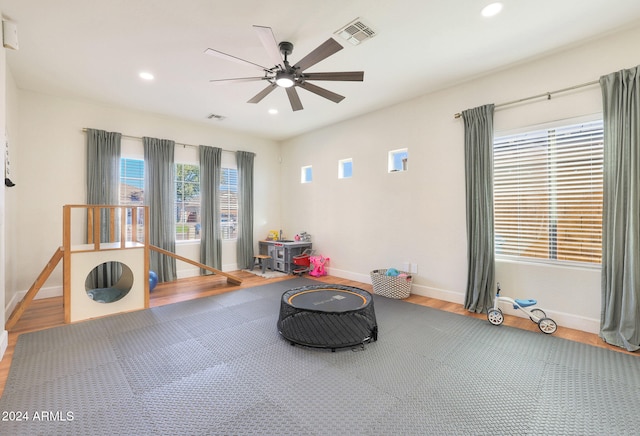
{"type": "Point", "coordinates": [84, 129]}
{"type": "Point", "coordinates": [546, 94]}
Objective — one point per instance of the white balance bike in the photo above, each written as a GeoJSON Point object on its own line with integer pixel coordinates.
{"type": "Point", "coordinates": [495, 316]}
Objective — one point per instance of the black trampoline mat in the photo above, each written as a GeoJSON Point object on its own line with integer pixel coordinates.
{"type": "Point", "coordinates": [327, 300]}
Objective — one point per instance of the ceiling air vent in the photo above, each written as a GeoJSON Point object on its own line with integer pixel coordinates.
{"type": "Point", "coordinates": [356, 32]}
{"type": "Point", "coordinates": [216, 117]}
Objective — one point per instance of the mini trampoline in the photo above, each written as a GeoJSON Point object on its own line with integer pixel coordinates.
{"type": "Point", "coordinates": [327, 316]}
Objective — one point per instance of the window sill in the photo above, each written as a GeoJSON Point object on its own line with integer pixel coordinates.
{"type": "Point", "coordinates": [188, 242]}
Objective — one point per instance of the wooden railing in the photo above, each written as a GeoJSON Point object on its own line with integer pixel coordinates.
{"type": "Point", "coordinates": [122, 222]}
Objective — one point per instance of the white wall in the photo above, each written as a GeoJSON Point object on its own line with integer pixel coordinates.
{"type": "Point", "coordinates": [380, 220]}
{"type": "Point", "coordinates": [50, 172]}
{"type": "Point", "coordinates": [11, 194]}
{"type": "Point", "coordinates": [3, 119]}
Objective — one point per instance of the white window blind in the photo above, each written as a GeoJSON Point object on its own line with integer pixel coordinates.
{"type": "Point", "coordinates": [131, 181]}
{"type": "Point", "coordinates": [187, 203]}
{"type": "Point", "coordinates": [548, 193]}
{"type": "Point", "coordinates": [229, 203]}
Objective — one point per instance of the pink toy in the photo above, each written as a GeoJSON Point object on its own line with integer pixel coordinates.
{"type": "Point", "coordinates": [318, 263]}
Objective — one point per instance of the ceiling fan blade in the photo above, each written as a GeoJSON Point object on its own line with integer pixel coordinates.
{"type": "Point", "coordinates": [236, 80]}
{"type": "Point", "coordinates": [294, 99]}
{"type": "Point", "coordinates": [326, 49]}
{"type": "Point", "coordinates": [269, 42]}
{"type": "Point", "coordinates": [229, 57]}
{"type": "Point", "coordinates": [336, 98]}
{"type": "Point", "coordinates": [262, 94]}
{"type": "Point", "coordinates": [354, 76]}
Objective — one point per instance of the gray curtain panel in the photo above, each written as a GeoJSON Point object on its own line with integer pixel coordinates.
{"type": "Point", "coordinates": [103, 172]}
{"type": "Point", "coordinates": [159, 195]}
{"type": "Point", "coordinates": [103, 187]}
{"type": "Point", "coordinates": [244, 254]}
{"type": "Point", "coordinates": [620, 316]}
{"type": "Point", "coordinates": [478, 148]}
{"type": "Point", "coordinates": [210, 237]}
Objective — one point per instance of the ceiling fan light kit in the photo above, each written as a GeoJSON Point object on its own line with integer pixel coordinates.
{"type": "Point", "coordinates": [284, 79]}
{"type": "Point", "coordinates": [287, 76]}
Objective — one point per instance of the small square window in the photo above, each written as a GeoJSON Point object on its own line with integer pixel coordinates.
{"type": "Point", "coordinates": [398, 160]}
{"type": "Point", "coordinates": [345, 168]}
{"type": "Point", "coordinates": [306, 174]}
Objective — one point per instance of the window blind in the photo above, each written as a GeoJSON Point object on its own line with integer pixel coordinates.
{"type": "Point", "coordinates": [229, 203]}
{"type": "Point", "coordinates": [548, 193]}
{"type": "Point", "coordinates": [187, 201]}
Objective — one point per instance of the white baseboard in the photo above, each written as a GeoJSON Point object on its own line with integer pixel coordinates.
{"type": "Point", "coordinates": [439, 294]}
{"type": "Point", "coordinates": [195, 271]}
{"type": "Point", "coordinates": [4, 343]}
{"type": "Point", "coordinates": [188, 272]}
{"type": "Point", "coordinates": [53, 291]}
{"type": "Point", "coordinates": [362, 278]}
{"type": "Point", "coordinates": [229, 267]}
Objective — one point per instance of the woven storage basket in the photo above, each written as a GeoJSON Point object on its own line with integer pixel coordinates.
{"type": "Point", "coordinates": [391, 286]}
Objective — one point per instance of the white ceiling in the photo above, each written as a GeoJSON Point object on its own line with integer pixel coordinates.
{"type": "Point", "coordinates": [94, 50]}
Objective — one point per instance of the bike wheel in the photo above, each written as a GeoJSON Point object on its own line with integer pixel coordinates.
{"type": "Point", "coordinates": [495, 316]}
{"type": "Point", "coordinates": [547, 326]}
{"type": "Point", "coordinates": [538, 313]}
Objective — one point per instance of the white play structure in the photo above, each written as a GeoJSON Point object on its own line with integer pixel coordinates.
{"type": "Point", "coordinates": [127, 248]}
{"type": "Point", "coordinates": [103, 278]}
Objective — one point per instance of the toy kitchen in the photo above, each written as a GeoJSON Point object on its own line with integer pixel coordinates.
{"type": "Point", "coordinates": [283, 251]}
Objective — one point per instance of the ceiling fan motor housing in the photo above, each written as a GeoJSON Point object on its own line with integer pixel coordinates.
{"type": "Point", "coordinates": [285, 48]}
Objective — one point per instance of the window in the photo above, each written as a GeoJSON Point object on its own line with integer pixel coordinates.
{"type": "Point", "coordinates": [187, 204]}
{"type": "Point", "coordinates": [131, 182]}
{"type": "Point", "coordinates": [345, 168]}
{"type": "Point", "coordinates": [548, 193]}
{"type": "Point", "coordinates": [229, 203]}
{"type": "Point", "coordinates": [306, 174]}
{"type": "Point", "coordinates": [132, 191]}
{"type": "Point", "coordinates": [398, 160]}
{"type": "Point", "coordinates": [187, 197]}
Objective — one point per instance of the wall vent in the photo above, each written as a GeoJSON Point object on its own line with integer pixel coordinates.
{"type": "Point", "coordinates": [216, 117]}
{"type": "Point", "coordinates": [356, 32]}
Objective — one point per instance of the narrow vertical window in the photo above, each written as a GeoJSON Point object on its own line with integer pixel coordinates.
{"type": "Point", "coordinates": [132, 191]}
{"type": "Point", "coordinates": [187, 202]}
{"type": "Point", "coordinates": [229, 203]}
{"type": "Point", "coordinates": [345, 168]}
{"type": "Point", "coordinates": [306, 174]}
{"type": "Point", "coordinates": [131, 182]}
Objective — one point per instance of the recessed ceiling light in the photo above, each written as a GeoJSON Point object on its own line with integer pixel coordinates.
{"type": "Point", "coordinates": [491, 10]}
{"type": "Point", "coordinates": [273, 111]}
{"type": "Point", "coordinates": [146, 76]}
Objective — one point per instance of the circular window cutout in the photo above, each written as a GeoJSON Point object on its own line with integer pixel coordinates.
{"type": "Point", "coordinates": [109, 282]}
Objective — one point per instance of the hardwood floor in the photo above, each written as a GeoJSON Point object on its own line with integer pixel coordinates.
{"type": "Point", "coordinates": [48, 312]}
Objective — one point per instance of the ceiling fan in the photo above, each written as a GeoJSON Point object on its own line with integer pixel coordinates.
{"type": "Point", "coordinates": [287, 76]}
